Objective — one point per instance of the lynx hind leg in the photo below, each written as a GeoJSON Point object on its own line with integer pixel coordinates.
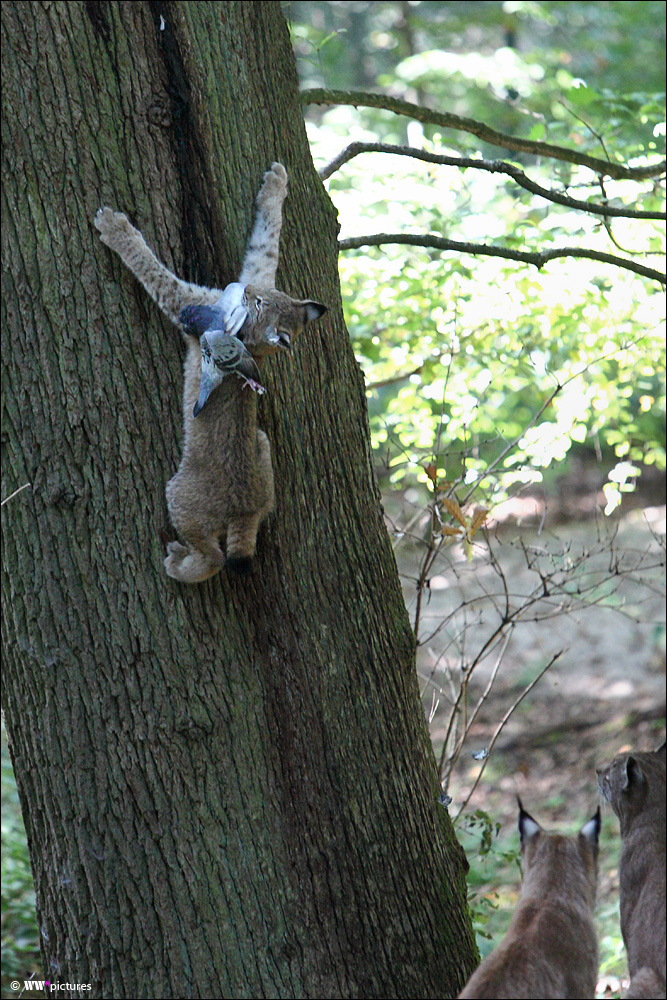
{"type": "Point", "coordinates": [265, 469]}
{"type": "Point", "coordinates": [194, 562]}
{"type": "Point", "coordinates": [242, 530]}
{"type": "Point", "coordinates": [241, 542]}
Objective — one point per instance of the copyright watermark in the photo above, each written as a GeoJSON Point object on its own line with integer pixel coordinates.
{"type": "Point", "coordinates": [35, 985]}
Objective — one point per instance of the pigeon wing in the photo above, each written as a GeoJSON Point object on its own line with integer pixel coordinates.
{"type": "Point", "coordinates": [247, 366]}
{"type": "Point", "coordinates": [231, 355]}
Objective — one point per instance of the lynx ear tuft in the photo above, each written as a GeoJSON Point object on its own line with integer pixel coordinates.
{"type": "Point", "coordinates": [528, 827]}
{"type": "Point", "coordinates": [314, 310]}
{"type": "Point", "coordinates": [591, 831]}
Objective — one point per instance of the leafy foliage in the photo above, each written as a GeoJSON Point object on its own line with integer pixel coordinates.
{"type": "Point", "coordinates": [472, 366]}
{"type": "Point", "coordinates": [486, 368]}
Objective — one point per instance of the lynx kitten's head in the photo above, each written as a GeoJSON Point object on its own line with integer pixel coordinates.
{"type": "Point", "coordinates": [553, 852]}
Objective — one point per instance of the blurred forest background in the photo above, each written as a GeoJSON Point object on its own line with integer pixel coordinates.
{"type": "Point", "coordinates": [517, 414]}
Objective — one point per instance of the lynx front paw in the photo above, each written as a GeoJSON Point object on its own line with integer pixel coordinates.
{"type": "Point", "coordinates": [111, 225]}
{"type": "Point", "coordinates": [275, 184]}
{"type": "Point", "coordinates": [278, 170]}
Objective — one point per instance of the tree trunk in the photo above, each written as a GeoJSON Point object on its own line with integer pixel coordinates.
{"type": "Point", "coordinates": [228, 789]}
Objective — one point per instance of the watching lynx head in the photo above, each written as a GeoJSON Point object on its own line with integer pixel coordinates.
{"type": "Point", "coordinates": [573, 859]}
{"type": "Point", "coordinates": [633, 783]}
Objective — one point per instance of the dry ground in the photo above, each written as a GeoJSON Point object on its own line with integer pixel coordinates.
{"type": "Point", "coordinates": [605, 693]}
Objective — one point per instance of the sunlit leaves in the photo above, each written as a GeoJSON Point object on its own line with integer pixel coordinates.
{"type": "Point", "coordinates": [490, 367]}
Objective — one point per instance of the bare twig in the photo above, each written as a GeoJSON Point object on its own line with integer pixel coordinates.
{"type": "Point", "coordinates": [458, 745]}
{"type": "Point", "coordinates": [501, 726]}
{"type": "Point", "coordinates": [483, 249]}
{"type": "Point", "coordinates": [536, 416]}
{"type": "Point", "coordinates": [448, 120]}
{"type": "Point", "coordinates": [487, 690]}
{"type": "Point", "coordinates": [490, 643]}
{"type": "Point", "coordinates": [490, 166]}
{"type": "Point", "coordinates": [393, 380]}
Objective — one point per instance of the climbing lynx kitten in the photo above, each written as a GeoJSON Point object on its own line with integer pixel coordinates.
{"type": "Point", "coordinates": [224, 484]}
{"type": "Point", "coordinates": [634, 784]}
{"type": "Point", "coordinates": [551, 947]}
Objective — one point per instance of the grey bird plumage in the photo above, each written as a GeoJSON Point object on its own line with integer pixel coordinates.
{"type": "Point", "coordinates": [222, 353]}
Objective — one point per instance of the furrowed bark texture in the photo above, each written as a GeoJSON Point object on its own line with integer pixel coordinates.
{"type": "Point", "coordinates": [228, 788]}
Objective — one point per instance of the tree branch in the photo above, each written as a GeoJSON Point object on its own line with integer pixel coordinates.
{"type": "Point", "coordinates": [428, 116]}
{"type": "Point", "coordinates": [501, 726]}
{"type": "Point", "coordinates": [492, 167]}
{"type": "Point", "coordinates": [538, 259]}
{"type": "Point", "coordinates": [388, 381]}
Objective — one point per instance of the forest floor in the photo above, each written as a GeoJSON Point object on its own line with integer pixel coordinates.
{"type": "Point", "coordinates": [605, 692]}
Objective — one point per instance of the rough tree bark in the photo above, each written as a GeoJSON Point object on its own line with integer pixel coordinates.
{"type": "Point", "coordinates": [228, 788]}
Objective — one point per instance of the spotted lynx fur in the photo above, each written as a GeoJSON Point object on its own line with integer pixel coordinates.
{"type": "Point", "coordinates": [634, 784]}
{"type": "Point", "coordinates": [224, 484]}
{"type": "Point", "coordinates": [551, 946]}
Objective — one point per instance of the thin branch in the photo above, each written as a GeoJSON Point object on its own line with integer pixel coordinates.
{"type": "Point", "coordinates": [447, 120]}
{"type": "Point", "coordinates": [607, 222]}
{"type": "Point", "coordinates": [485, 694]}
{"type": "Point", "coordinates": [559, 387]}
{"type": "Point", "coordinates": [488, 646]}
{"type": "Point", "coordinates": [12, 495]}
{"type": "Point", "coordinates": [492, 167]}
{"type": "Point", "coordinates": [538, 259]}
{"type": "Point", "coordinates": [393, 380]}
{"type": "Point", "coordinates": [501, 726]}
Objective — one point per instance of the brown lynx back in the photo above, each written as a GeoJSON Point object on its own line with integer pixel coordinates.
{"type": "Point", "coordinates": [551, 947]}
{"type": "Point", "coordinates": [634, 785]}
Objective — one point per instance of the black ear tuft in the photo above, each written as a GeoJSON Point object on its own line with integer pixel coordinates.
{"type": "Point", "coordinates": [591, 830]}
{"type": "Point", "coordinates": [633, 773]}
{"type": "Point", "coordinates": [528, 827]}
